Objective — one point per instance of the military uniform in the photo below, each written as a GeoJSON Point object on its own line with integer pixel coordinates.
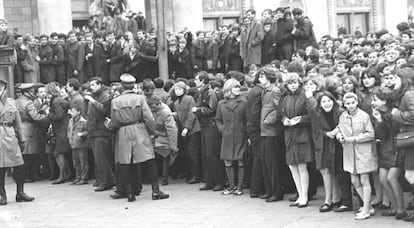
{"type": "Point", "coordinates": [134, 124]}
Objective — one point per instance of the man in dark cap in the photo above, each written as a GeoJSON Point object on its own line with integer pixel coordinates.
{"type": "Point", "coordinates": [134, 124]}
{"type": "Point", "coordinates": [12, 142]}
{"type": "Point", "coordinates": [29, 116]}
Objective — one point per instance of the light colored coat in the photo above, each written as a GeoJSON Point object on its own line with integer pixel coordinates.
{"type": "Point", "coordinates": [29, 115]}
{"type": "Point", "coordinates": [166, 129]}
{"type": "Point", "coordinates": [10, 136]}
{"type": "Point", "coordinates": [255, 35]}
{"type": "Point", "coordinates": [359, 157]}
{"type": "Point", "coordinates": [133, 121]}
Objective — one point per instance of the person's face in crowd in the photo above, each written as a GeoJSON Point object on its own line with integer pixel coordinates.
{"type": "Point", "coordinates": [74, 112]}
{"type": "Point", "coordinates": [340, 68]}
{"type": "Point", "coordinates": [72, 38]}
{"type": "Point", "coordinates": [115, 92]}
{"type": "Point", "coordinates": [357, 68]}
{"type": "Point", "coordinates": [348, 86]}
{"type": "Point", "coordinates": [351, 104]}
{"type": "Point", "coordinates": [140, 35]}
{"type": "Point", "coordinates": [310, 86]}
{"type": "Point", "coordinates": [389, 81]}
{"type": "Point", "coordinates": [293, 86]}
{"type": "Point", "coordinates": [43, 41]}
{"type": "Point", "coordinates": [322, 52]}
{"type": "Point", "coordinates": [63, 93]}
{"type": "Point", "coordinates": [367, 48]}
{"type": "Point", "coordinates": [266, 15]}
{"type": "Point", "coordinates": [279, 14]}
{"type": "Point", "coordinates": [32, 42]}
{"type": "Point", "coordinates": [235, 33]}
{"type": "Point", "coordinates": [155, 107]}
{"type": "Point", "coordinates": [377, 47]}
{"type": "Point", "coordinates": [99, 40]}
{"type": "Point", "coordinates": [392, 45]}
{"type": "Point", "coordinates": [337, 43]}
{"type": "Point", "coordinates": [267, 27]}
{"type": "Point", "coordinates": [181, 45]}
{"type": "Point", "coordinates": [250, 16]}
{"type": "Point", "coordinates": [151, 41]}
{"type": "Point", "coordinates": [377, 103]}
{"type": "Point", "coordinates": [208, 36]}
{"type": "Point", "coordinates": [400, 62]}
{"type": "Point", "coordinates": [172, 48]}
{"type": "Point", "coordinates": [405, 38]}
{"type": "Point", "coordinates": [178, 91]}
{"type": "Point", "coordinates": [62, 40]}
{"type": "Point", "coordinates": [82, 40]}
{"type": "Point", "coordinates": [131, 37]}
{"type": "Point", "coordinates": [198, 82]}
{"type": "Point", "coordinates": [326, 104]}
{"type": "Point", "coordinates": [391, 55]}
{"type": "Point", "coordinates": [360, 56]}
{"type": "Point", "coordinates": [88, 40]}
{"type": "Point", "coordinates": [368, 81]}
{"type": "Point", "coordinates": [308, 50]}
{"type": "Point", "coordinates": [329, 44]}
{"type": "Point", "coordinates": [313, 72]}
{"type": "Point", "coordinates": [110, 38]}
{"type": "Point", "coordinates": [297, 17]}
{"type": "Point", "coordinates": [19, 41]}
{"type": "Point", "coordinates": [201, 36]}
{"type": "Point", "coordinates": [54, 40]}
{"type": "Point", "coordinates": [95, 86]}
{"type": "Point", "coordinates": [41, 93]}
{"type": "Point", "coordinates": [263, 80]}
{"type": "Point", "coordinates": [3, 27]}
{"type": "Point", "coordinates": [69, 88]}
{"type": "Point", "coordinates": [397, 82]}
{"type": "Point", "coordinates": [373, 58]}
{"type": "Point", "coordinates": [138, 89]}
{"type": "Point", "coordinates": [224, 30]}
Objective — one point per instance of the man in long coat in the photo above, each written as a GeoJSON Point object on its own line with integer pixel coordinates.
{"type": "Point", "coordinates": [47, 69]}
{"type": "Point", "coordinates": [73, 68]}
{"type": "Point", "coordinates": [114, 58]}
{"type": "Point", "coordinates": [255, 35]}
{"type": "Point", "coordinates": [28, 115]}
{"type": "Point", "coordinates": [135, 129]}
{"type": "Point", "coordinates": [92, 57]}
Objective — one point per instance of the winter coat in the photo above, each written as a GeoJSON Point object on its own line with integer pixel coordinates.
{"type": "Point", "coordinates": [325, 147]}
{"type": "Point", "coordinates": [166, 130]}
{"type": "Point", "coordinates": [254, 107]}
{"type": "Point", "coordinates": [133, 66]}
{"type": "Point", "coordinates": [404, 116]}
{"type": "Point", "coordinates": [304, 35]}
{"type": "Point", "coordinates": [234, 59]}
{"type": "Point", "coordinates": [30, 67]}
{"type": "Point", "coordinates": [11, 134]}
{"type": "Point", "coordinates": [200, 55]}
{"type": "Point", "coordinates": [185, 117]}
{"type": "Point", "coordinates": [58, 115]}
{"type": "Point", "coordinates": [133, 122]}
{"type": "Point", "coordinates": [116, 63]}
{"type": "Point", "coordinates": [269, 116]}
{"type": "Point", "coordinates": [76, 126]}
{"type": "Point", "coordinates": [298, 139]}
{"type": "Point", "coordinates": [59, 63]}
{"type": "Point", "coordinates": [359, 156]}
{"type": "Point", "coordinates": [73, 62]}
{"type": "Point", "coordinates": [231, 122]}
{"type": "Point", "coordinates": [93, 66]}
{"type": "Point", "coordinates": [97, 111]}
{"type": "Point", "coordinates": [29, 115]}
{"type": "Point", "coordinates": [47, 68]}
{"type": "Point", "coordinates": [206, 107]}
{"type": "Point", "coordinates": [255, 35]}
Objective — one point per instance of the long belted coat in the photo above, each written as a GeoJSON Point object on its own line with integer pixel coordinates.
{"type": "Point", "coordinates": [29, 115]}
{"type": "Point", "coordinates": [10, 134]}
{"type": "Point", "coordinates": [231, 121]}
{"type": "Point", "coordinates": [133, 121]}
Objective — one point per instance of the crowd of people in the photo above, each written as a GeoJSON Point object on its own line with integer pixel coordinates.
{"type": "Point", "coordinates": [260, 105]}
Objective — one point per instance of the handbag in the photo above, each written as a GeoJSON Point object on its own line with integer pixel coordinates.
{"type": "Point", "coordinates": [405, 139]}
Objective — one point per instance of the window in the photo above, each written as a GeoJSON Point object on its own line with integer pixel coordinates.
{"type": "Point", "coordinates": [353, 22]}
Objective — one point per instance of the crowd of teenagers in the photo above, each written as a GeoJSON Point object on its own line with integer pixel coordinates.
{"type": "Point", "coordinates": [260, 105]}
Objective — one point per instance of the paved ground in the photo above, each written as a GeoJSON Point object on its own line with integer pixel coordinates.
{"type": "Point", "coordinates": [80, 206]}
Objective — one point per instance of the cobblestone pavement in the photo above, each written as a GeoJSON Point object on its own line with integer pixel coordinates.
{"type": "Point", "coordinates": [79, 206]}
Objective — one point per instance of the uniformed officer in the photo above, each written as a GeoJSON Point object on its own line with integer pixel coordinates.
{"type": "Point", "coordinates": [134, 124]}
{"type": "Point", "coordinates": [29, 116]}
{"type": "Point", "coordinates": [12, 142]}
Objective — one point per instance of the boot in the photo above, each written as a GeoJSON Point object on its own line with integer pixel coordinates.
{"type": "Point", "coordinates": [156, 193]}
{"type": "Point", "coordinates": [3, 199]}
{"type": "Point", "coordinates": [130, 194]}
{"type": "Point", "coordinates": [21, 196]}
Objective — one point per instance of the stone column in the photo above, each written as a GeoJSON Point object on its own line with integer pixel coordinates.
{"type": "Point", "coordinates": [54, 16]}
{"type": "Point", "coordinates": [187, 14]}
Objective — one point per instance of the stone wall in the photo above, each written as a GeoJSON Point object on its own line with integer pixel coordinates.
{"type": "Point", "coordinates": [21, 14]}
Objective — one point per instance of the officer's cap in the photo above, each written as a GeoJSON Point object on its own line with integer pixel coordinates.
{"type": "Point", "coordinates": [127, 78]}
